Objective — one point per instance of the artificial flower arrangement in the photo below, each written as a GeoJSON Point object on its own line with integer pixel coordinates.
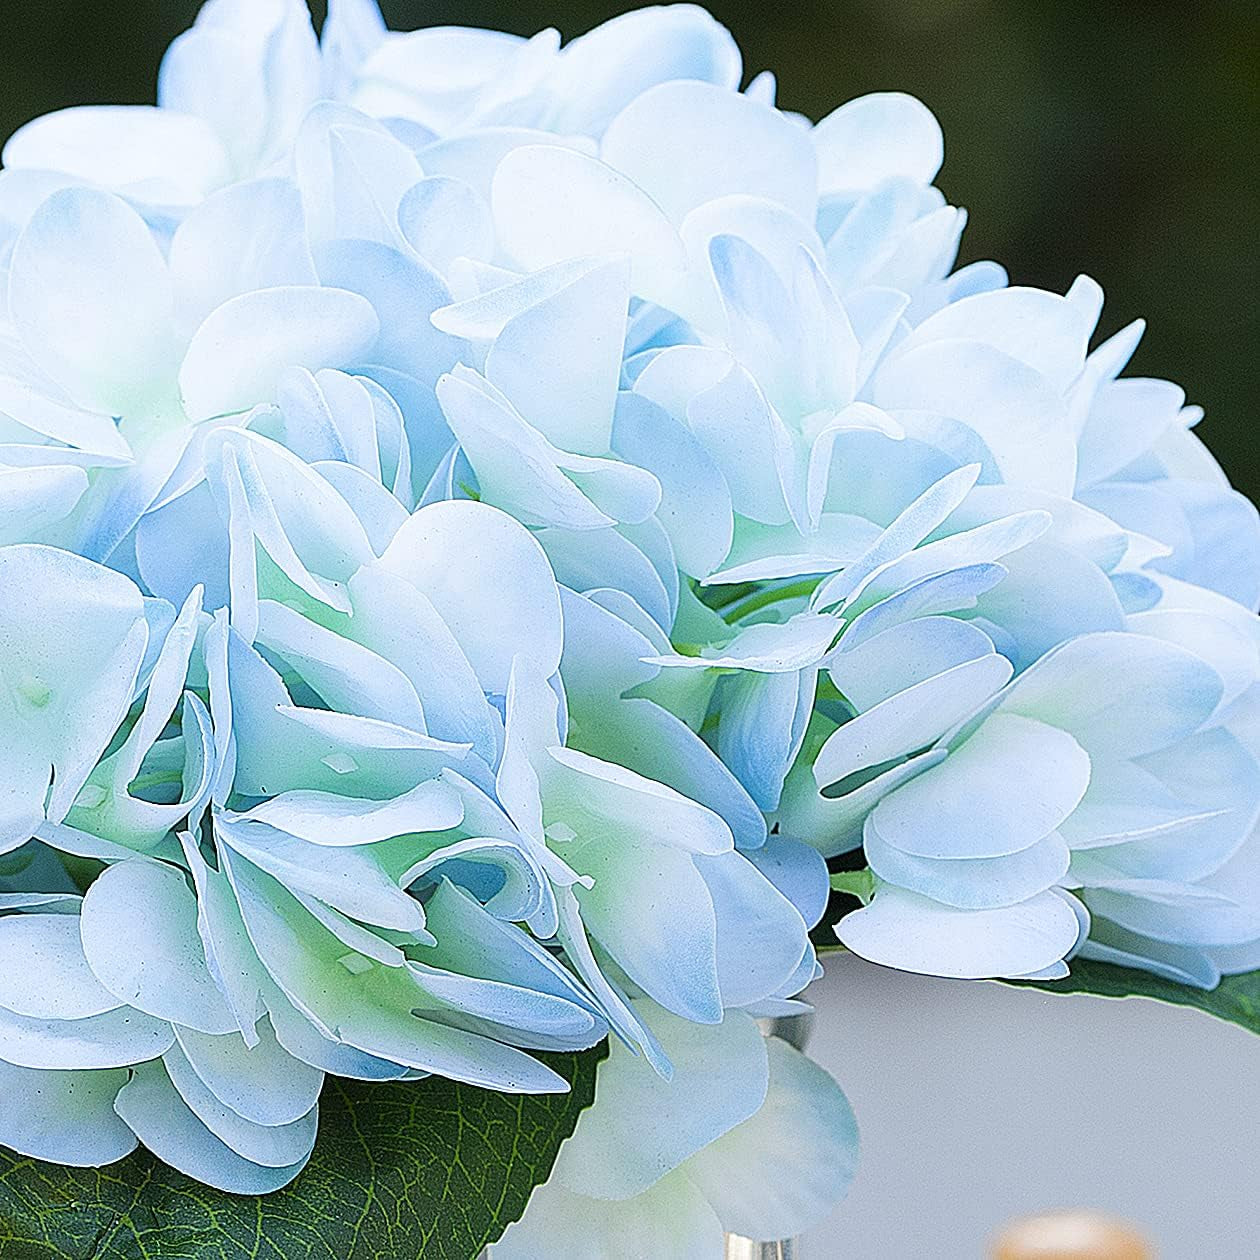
{"type": "Point", "coordinates": [508, 552]}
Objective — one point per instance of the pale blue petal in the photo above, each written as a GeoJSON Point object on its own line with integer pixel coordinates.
{"type": "Point", "coordinates": [139, 925]}
{"type": "Point", "coordinates": [91, 300]}
{"type": "Point", "coordinates": [685, 142]}
{"type": "Point", "coordinates": [912, 933]}
{"type": "Point", "coordinates": [63, 1117]}
{"type": "Point", "coordinates": [1011, 783]}
{"type": "Point", "coordinates": [483, 573]}
{"type": "Point", "coordinates": [156, 155]}
{"type": "Point", "coordinates": [877, 137]}
{"type": "Point", "coordinates": [154, 1111]}
{"type": "Point", "coordinates": [237, 356]}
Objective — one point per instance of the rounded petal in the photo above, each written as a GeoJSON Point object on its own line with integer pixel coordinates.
{"type": "Point", "coordinates": [64, 1117]}
{"type": "Point", "coordinates": [640, 1127]}
{"type": "Point", "coordinates": [236, 358]}
{"type": "Point", "coordinates": [685, 143]}
{"type": "Point", "coordinates": [912, 933]}
{"type": "Point", "coordinates": [156, 155]}
{"type": "Point", "coordinates": [159, 1117]}
{"type": "Point", "coordinates": [92, 301]}
{"type": "Point", "coordinates": [785, 1169]}
{"type": "Point", "coordinates": [874, 138]}
{"type": "Point", "coordinates": [489, 581]}
{"type": "Point", "coordinates": [140, 935]}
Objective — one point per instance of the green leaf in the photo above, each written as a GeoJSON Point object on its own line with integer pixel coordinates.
{"type": "Point", "coordinates": [1236, 998]}
{"type": "Point", "coordinates": [859, 884]}
{"type": "Point", "coordinates": [401, 1171]}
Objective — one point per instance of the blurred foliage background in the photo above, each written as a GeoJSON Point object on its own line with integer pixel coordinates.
{"type": "Point", "coordinates": [1117, 138]}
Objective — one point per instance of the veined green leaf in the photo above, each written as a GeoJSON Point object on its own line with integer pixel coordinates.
{"type": "Point", "coordinates": [420, 1170]}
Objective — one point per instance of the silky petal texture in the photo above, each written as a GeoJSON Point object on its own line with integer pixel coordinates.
{"type": "Point", "coordinates": [92, 301]}
{"type": "Point", "coordinates": [443, 219]}
{"type": "Point", "coordinates": [348, 879]}
{"type": "Point", "coordinates": [763, 721]}
{"type": "Point", "coordinates": [768, 648]}
{"type": "Point", "coordinates": [671, 1220]}
{"type": "Point", "coordinates": [912, 933]}
{"type": "Point", "coordinates": [1013, 782]}
{"type": "Point", "coordinates": [517, 469]}
{"type": "Point", "coordinates": [321, 818]}
{"type": "Point", "coordinates": [154, 1111]}
{"type": "Point", "coordinates": [64, 1117]}
{"type": "Point", "coordinates": [43, 971]}
{"type": "Point", "coordinates": [628, 875]}
{"type": "Point", "coordinates": [157, 155]}
{"type": "Point", "coordinates": [1012, 407]}
{"type": "Point", "coordinates": [695, 507]}
{"type": "Point", "coordinates": [910, 720]}
{"type": "Point", "coordinates": [640, 1127]}
{"type": "Point", "coordinates": [68, 692]}
{"type": "Point", "coordinates": [1045, 331]}
{"type": "Point", "coordinates": [875, 669]}
{"type": "Point", "coordinates": [782, 1171]}
{"type": "Point", "coordinates": [596, 797]}
{"type": "Point", "coordinates": [1118, 694]}
{"type": "Point", "coordinates": [403, 292]}
{"type": "Point", "coordinates": [874, 138]}
{"type": "Point", "coordinates": [272, 1146]}
{"type": "Point", "coordinates": [262, 1084]}
{"type": "Point", "coordinates": [568, 398]}
{"type": "Point", "coordinates": [606, 68]}
{"type": "Point", "coordinates": [971, 883]}
{"type": "Point", "coordinates": [910, 528]}
{"type": "Point", "coordinates": [139, 925]}
{"type": "Point", "coordinates": [684, 143]}
{"type": "Point", "coordinates": [237, 355]}
{"type": "Point", "coordinates": [482, 570]}
{"type": "Point", "coordinates": [250, 236]}
{"type": "Point", "coordinates": [400, 623]}
{"type": "Point", "coordinates": [115, 1039]}
{"type": "Point", "coordinates": [552, 204]}
{"type": "Point", "coordinates": [370, 1011]}
{"type": "Point", "coordinates": [761, 936]}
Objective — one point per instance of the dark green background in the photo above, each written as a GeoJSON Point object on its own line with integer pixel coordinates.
{"type": "Point", "coordinates": [1115, 137]}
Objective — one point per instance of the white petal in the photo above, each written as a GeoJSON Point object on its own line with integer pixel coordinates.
{"type": "Point", "coordinates": [68, 691]}
{"type": "Point", "coordinates": [874, 138]}
{"type": "Point", "coordinates": [1118, 694]}
{"type": "Point", "coordinates": [484, 573]}
{"type": "Point", "coordinates": [1013, 782]}
{"type": "Point", "coordinates": [273, 1146]}
{"type": "Point", "coordinates": [249, 236]}
{"type": "Point", "coordinates": [139, 925]}
{"type": "Point", "coordinates": [115, 1039]}
{"type": "Point", "coordinates": [158, 1116]}
{"type": "Point", "coordinates": [43, 972]}
{"type": "Point", "coordinates": [971, 883]}
{"type": "Point", "coordinates": [903, 930]}
{"type": "Point", "coordinates": [559, 361]}
{"type": "Point", "coordinates": [236, 357]}
{"type": "Point", "coordinates": [911, 719]}
{"type": "Point", "coordinates": [92, 302]}
{"type": "Point", "coordinates": [784, 1170]}
{"type": "Point", "coordinates": [263, 1084]}
{"type": "Point", "coordinates": [158, 155]}
{"type": "Point", "coordinates": [63, 1117]}
{"type": "Point", "coordinates": [685, 143]}
{"type": "Point", "coordinates": [641, 1127]}
{"type": "Point", "coordinates": [552, 204]}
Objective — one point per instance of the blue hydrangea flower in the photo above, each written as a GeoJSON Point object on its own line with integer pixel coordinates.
{"type": "Point", "coordinates": [534, 506]}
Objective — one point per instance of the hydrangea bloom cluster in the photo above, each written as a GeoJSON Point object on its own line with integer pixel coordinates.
{"type": "Point", "coordinates": [485, 522]}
